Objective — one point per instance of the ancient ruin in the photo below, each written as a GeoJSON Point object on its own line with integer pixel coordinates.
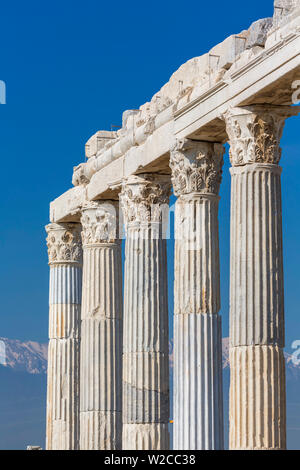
{"type": "Point", "coordinates": [108, 373]}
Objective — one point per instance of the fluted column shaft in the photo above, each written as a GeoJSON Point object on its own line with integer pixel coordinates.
{"type": "Point", "coordinates": [65, 260]}
{"type": "Point", "coordinates": [198, 402]}
{"type": "Point", "coordinates": [101, 329]}
{"type": "Point", "coordinates": [257, 388]}
{"type": "Point", "coordinates": [145, 350]}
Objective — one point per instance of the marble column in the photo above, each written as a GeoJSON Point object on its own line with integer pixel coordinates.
{"type": "Point", "coordinates": [145, 349]}
{"type": "Point", "coordinates": [65, 260]}
{"type": "Point", "coordinates": [198, 402]}
{"type": "Point", "coordinates": [101, 329]}
{"type": "Point", "coordinates": [257, 388]}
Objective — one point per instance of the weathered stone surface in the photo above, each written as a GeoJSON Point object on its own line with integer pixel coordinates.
{"type": "Point", "coordinates": [101, 329]}
{"type": "Point", "coordinates": [256, 297]}
{"type": "Point", "coordinates": [66, 208]}
{"type": "Point", "coordinates": [198, 401]}
{"type": "Point", "coordinates": [284, 7]}
{"type": "Point", "coordinates": [146, 436]}
{"type": "Point", "coordinates": [258, 31]}
{"type": "Point", "coordinates": [98, 141]}
{"type": "Point", "coordinates": [257, 398]}
{"type": "Point", "coordinates": [137, 413]}
{"type": "Point", "coordinates": [144, 197]}
{"type": "Point", "coordinates": [284, 13]}
{"type": "Point", "coordinates": [257, 308]}
{"type": "Point", "coordinates": [146, 341]}
{"type": "Point", "coordinates": [64, 244]}
{"type": "Point", "coordinates": [198, 407]}
{"type": "Point", "coordinates": [196, 167]}
{"type": "Point", "coordinates": [189, 105]}
{"type": "Point", "coordinates": [255, 131]}
{"type": "Point", "coordinates": [194, 77]}
{"type": "Point", "coordinates": [101, 427]}
{"type": "Point", "coordinates": [224, 54]}
{"type": "Point", "coordinates": [65, 259]}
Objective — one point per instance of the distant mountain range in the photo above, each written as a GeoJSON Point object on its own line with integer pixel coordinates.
{"type": "Point", "coordinates": [28, 356]}
{"type": "Point", "coordinates": [23, 367]}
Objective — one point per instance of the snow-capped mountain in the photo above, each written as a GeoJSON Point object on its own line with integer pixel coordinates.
{"type": "Point", "coordinates": [23, 367]}
{"type": "Point", "coordinates": [292, 369]}
{"type": "Point", "coordinates": [31, 357]}
{"type": "Point", "coordinates": [28, 356]}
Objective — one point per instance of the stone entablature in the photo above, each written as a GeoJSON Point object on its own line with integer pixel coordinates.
{"type": "Point", "coordinates": [257, 66]}
{"type": "Point", "coordinates": [195, 76]}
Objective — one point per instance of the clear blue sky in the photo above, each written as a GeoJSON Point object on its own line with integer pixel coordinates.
{"type": "Point", "coordinates": [72, 68]}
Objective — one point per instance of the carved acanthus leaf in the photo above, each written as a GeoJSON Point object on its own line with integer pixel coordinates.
{"type": "Point", "coordinates": [196, 167]}
{"type": "Point", "coordinates": [99, 222]}
{"type": "Point", "coordinates": [144, 196]}
{"type": "Point", "coordinates": [255, 132]}
{"type": "Point", "coordinates": [64, 243]}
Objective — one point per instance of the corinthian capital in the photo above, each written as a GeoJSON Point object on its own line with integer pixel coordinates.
{"type": "Point", "coordinates": [99, 222]}
{"type": "Point", "coordinates": [64, 243]}
{"type": "Point", "coordinates": [255, 131]}
{"type": "Point", "coordinates": [196, 167]}
{"type": "Point", "coordinates": [143, 196]}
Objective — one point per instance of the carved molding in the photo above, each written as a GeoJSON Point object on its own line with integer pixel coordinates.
{"type": "Point", "coordinates": [79, 177]}
{"type": "Point", "coordinates": [254, 133]}
{"type": "Point", "coordinates": [143, 196]}
{"type": "Point", "coordinates": [64, 243]}
{"type": "Point", "coordinates": [99, 222]}
{"type": "Point", "coordinates": [196, 167]}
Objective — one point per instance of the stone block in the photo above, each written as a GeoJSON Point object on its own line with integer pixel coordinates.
{"type": "Point", "coordinates": [98, 141]}
{"type": "Point", "coordinates": [282, 8]}
{"type": "Point", "coordinates": [224, 54]}
{"type": "Point", "coordinates": [258, 33]}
